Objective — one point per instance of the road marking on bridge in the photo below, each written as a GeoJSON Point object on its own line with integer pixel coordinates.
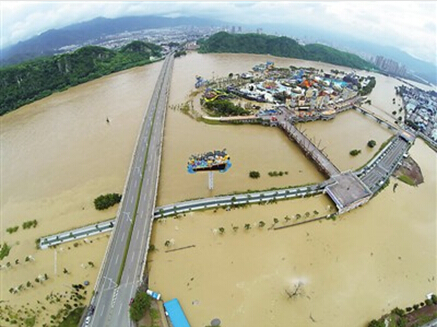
{"type": "Point", "coordinates": [116, 259]}
{"type": "Point", "coordinates": [114, 297]}
{"type": "Point", "coordinates": [122, 236]}
{"type": "Point", "coordinates": [103, 310]}
{"type": "Point", "coordinates": [132, 199]}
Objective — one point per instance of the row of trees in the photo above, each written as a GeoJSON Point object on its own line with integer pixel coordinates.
{"type": "Point", "coordinates": [398, 316]}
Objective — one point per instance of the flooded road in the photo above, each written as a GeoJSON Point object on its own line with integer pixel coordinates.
{"type": "Point", "coordinates": [59, 153]}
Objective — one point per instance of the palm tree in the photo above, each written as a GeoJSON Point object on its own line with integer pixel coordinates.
{"type": "Point", "coordinates": [221, 230]}
{"type": "Point", "coordinates": [167, 243]}
{"type": "Point", "coordinates": [235, 228]}
{"type": "Point", "coordinates": [261, 224]}
{"type": "Point", "coordinates": [91, 263]}
{"type": "Point", "coordinates": [275, 221]}
{"type": "Point", "coordinates": [287, 218]}
{"type": "Point", "coordinates": [247, 226]}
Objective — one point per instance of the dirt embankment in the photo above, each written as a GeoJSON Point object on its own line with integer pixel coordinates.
{"type": "Point", "coordinates": [409, 172]}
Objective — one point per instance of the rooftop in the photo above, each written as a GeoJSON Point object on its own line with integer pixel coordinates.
{"type": "Point", "coordinates": [347, 191]}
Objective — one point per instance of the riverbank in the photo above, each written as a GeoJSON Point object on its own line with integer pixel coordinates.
{"type": "Point", "coordinates": [38, 78]}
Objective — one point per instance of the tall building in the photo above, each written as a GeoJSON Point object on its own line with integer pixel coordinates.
{"type": "Point", "coordinates": [389, 66]}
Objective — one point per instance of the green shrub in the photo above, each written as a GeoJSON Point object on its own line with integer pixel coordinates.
{"type": "Point", "coordinates": [103, 202]}
{"type": "Point", "coordinates": [354, 152]}
{"type": "Point", "coordinates": [4, 250]}
{"type": "Point", "coordinates": [371, 143]}
{"type": "Point", "coordinates": [11, 230]}
{"type": "Point", "coordinates": [254, 174]}
{"type": "Point", "coordinates": [139, 306]}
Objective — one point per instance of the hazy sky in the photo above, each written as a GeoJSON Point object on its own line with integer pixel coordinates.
{"type": "Point", "coordinates": [408, 25]}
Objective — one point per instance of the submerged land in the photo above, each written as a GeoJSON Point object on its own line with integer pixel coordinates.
{"type": "Point", "coordinates": [301, 253]}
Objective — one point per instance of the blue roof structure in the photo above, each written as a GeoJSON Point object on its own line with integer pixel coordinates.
{"type": "Point", "coordinates": [174, 311]}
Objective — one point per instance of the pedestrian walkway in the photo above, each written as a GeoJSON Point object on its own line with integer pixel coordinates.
{"type": "Point", "coordinates": [76, 234]}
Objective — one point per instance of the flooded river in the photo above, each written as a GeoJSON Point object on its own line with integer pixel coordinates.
{"type": "Point", "coordinates": [59, 153]}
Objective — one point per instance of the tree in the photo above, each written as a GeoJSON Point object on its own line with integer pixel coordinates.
{"type": "Point", "coordinates": [221, 230]}
{"type": "Point", "coordinates": [167, 243]}
{"type": "Point", "coordinates": [287, 219]}
{"type": "Point", "coordinates": [261, 224]}
{"type": "Point", "coordinates": [354, 152]}
{"type": "Point", "coordinates": [371, 143]}
{"type": "Point", "coordinates": [139, 306]}
{"type": "Point", "coordinates": [376, 323]}
{"type": "Point", "coordinates": [105, 201]}
{"type": "Point", "coordinates": [275, 220]}
{"type": "Point", "coordinates": [91, 263]}
{"type": "Point", "coordinates": [254, 174]}
{"type": "Point", "coordinates": [235, 228]}
{"type": "Point", "coordinates": [247, 226]}
{"type": "Point", "coordinates": [298, 290]}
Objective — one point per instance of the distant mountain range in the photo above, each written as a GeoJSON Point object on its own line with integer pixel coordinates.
{"type": "Point", "coordinates": [48, 42]}
{"type": "Point", "coordinates": [345, 42]}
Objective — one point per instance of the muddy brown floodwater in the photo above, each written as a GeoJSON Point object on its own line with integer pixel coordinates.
{"type": "Point", "coordinates": [59, 153]}
{"type": "Point", "coordinates": [366, 263]}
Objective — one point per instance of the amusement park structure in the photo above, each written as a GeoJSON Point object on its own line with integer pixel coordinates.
{"type": "Point", "coordinates": [210, 162]}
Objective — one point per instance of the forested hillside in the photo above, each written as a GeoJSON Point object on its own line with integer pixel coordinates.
{"type": "Point", "coordinates": [35, 79]}
{"type": "Point", "coordinates": [281, 47]}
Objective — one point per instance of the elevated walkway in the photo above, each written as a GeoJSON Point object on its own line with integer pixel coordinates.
{"type": "Point", "coordinates": [310, 150]}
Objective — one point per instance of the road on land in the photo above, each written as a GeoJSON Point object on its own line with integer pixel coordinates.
{"type": "Point", "coordinates": [120, 274]}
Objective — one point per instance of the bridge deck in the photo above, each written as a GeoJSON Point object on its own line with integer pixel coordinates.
{"type": "Point", "coordinates": [324, 164]}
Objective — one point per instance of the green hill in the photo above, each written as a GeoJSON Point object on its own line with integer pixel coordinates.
{"type": "Point", "coordinates": [280, 47]}
{"type": "Point", "coordinates": [32, 80]}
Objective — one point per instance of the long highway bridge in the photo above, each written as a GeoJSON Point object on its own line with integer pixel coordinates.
{"type": "Point", "coordinates": [122, 269]}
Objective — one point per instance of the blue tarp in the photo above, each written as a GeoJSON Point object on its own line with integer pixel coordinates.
{"type": "Point", "coordinates": [177, 316]}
